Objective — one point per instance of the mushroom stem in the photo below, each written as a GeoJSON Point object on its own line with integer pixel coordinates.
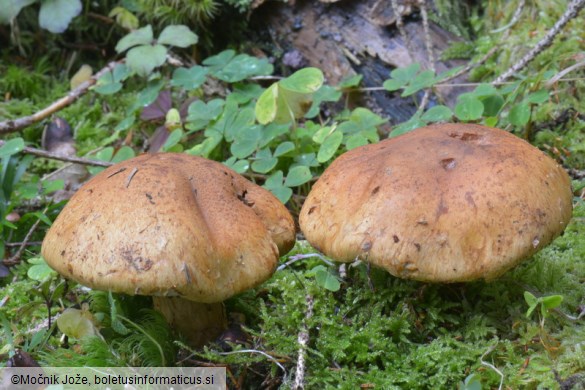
{"type": "Point", "coordinates": [197, 322]}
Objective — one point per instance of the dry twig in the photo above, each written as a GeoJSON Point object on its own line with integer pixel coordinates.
{"type": "Point", "coordinates": [303, 340]}
{"type": "Point", "coordinates": [15, 259]}
{"type": "Point", "coordinates": [572, 10]}
{"type": "Point", "coordinates": [553, 80]}
{"type": "Point", "coordinates": [23, 243]}
{"type": "Point", "coordinates": [295, 258]}
{"type": "Point", "coordinates": [490, 350]}
{"type": "Point", "coordinates": [269, 357]}
{"type": "Point", "coordinates": [428, 43]}
{"type": "Point", "coordinates": [11, 126]}
{"type": "Point", "coordinates": [130, 176]}
{"type": "Point", "coordinates": [71, 159]}
{"type": "Point", "coordinates": [469, 67]}
{"type": "Point", "coordinates": [400, 26]}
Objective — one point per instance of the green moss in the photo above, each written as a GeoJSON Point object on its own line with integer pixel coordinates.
{"type": "Point", "coordinates": [376, 329]}
{"type": "Point", "coordinates": [190, 12]}
{"type": "Point", "coordinates": [399, 334]}
{"type": "Point", "coordinates": [21, 306]}
{"type": "Point", "coordinates": [458, 50]}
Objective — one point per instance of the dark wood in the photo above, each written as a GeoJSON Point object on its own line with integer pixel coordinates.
{"type": "Point", "coordinates": [351, 37]}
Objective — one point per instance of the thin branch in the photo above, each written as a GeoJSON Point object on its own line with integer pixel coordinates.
{"type": "Point", "coordinates": [444, 85]}
{"type": "Point", "coordinates": [473, 65]}
{"type": "Point", "coordinates": [572, 10]}
{"type": "Point", "coordinates": [100, 17]}
{"type": "Point", "coordinates": [490, 350]}
{"type": "Point", "coordinates": [23, 243]}
{"type": "Point", "coordinates": [71, 159]}
{"type": "Point", "coordinates": [429, 45]}
{"type": "Point", "coordinates": [175, 60]}
{"type": "Point", "coordinates": [295, 258]}
{"type": "Point", "coordinates": [401, 29]}
{"type": "Point", "coordinates": [428, 42]}
{"type": "Point", "coordinates": [130, 176]}
{"type": "Point", "coordinates": [15, 259]}
{"type": "Point", "coordinates": [570, 317]}
{"type": "Point", "coordinates": [259, 352]}
{"type": "Point", "coordinates": [563, 73]}
{"type": "Point", "coordinates": [11, 126]}
{"type": "Point", "coordinates": [577, 174]}
{"type": "Point", "coordinates": [425, 100]}
{"type": "Point", "coordinates": [303, 339]}
{"type": "Point", "coordinates": [270, 78]}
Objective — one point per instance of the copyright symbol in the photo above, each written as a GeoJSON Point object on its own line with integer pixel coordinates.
{"type": "Point", "coordinates": [14, 379]}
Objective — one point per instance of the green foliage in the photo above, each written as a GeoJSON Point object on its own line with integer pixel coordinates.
{"type": "Point", "coordinates": [12, 168]}
{"type": "Point", "coordinates": [546, 303]}
{"type": "Point", "coordinates": [229, 67]}
{"type": "Point", "coordinates": [145, 341]}
{"type": "Point", "coordinates": [189, 79]}
{"type": "Point", "coordinates": [76, 323]}
{"type": "Point", "coordinates": [11, 147]}
{"type": "Point", "coordinates": [39, 269]}
{"type": "Point", "coordinates": [380, 330]}
{"type": "Point", "coordinates": [20, 82]}
{"type": "Point", "coordinates": [167, 12]}
{"type": "Point", "coordinates": [90, 352]}
{"type": "Point", "coordinates": [324, 278]}
{"type": "Point", "coordinates": [111, 155]}
{"type": "Point", "coordinates": [412, 79]}
{"type": "Point", "coordinates": [111, 81]}
{"type": "Point", "coordinates": [458, 50]}
{"type": "Point", "coordinates": [455, 17]}
{"type": "Point", "coordinates": [124, 18]}
{"type": "Point", "coordinates": [470, 383]}
{"type": "Point", "coordinates": [145, 53]}
{"type": "Point", "coordinates": [367, 326]}
{"type": "Point", "coordinates": [289, 99]}
{"type": "Point", "coordinates": [54, 15]}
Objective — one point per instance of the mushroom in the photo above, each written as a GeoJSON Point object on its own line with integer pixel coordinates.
{"type": "Point", "coordinates": [188, 231]}
{"type": "Point", "coordinates": [443, 203]}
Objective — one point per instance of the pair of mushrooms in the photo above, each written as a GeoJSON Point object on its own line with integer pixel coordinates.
{"type": "Point", "coordinates": [444, 203]}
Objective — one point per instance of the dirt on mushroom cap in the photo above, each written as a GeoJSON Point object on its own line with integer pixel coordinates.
{"type": "Point", "coordinates": [170, 224]}
{"type": "Point", "coordinates": [444, 203]}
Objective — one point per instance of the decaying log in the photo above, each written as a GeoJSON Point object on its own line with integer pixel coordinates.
{"type": "Point", "coordinates": [358, 37]}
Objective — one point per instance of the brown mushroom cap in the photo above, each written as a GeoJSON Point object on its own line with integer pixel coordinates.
{"type": "Point", "coordinates": [170, 225]}
{"type": "Point", "coordinates": [443, 203]}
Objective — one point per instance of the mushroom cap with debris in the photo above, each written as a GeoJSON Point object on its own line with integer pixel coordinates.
{"type": "Point", "coordinates": [443, 203]}
{"type": "Point", "coordinates": [170, 225]}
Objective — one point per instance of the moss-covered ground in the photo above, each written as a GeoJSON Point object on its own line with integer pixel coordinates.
{"type": "Point", "coordinates": [375, 330]}
{"type": "Point", "coordinates": [372, 330]}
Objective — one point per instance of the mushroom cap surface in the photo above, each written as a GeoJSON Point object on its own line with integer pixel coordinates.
{"type": "Point", "coordinates": [443, 203]}
{"type": "Point", "coordinates": [171, 225]}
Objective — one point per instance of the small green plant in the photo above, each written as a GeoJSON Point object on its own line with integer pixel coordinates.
{"type": "Point", "coordinates": [289, 99]}
{"type": "Point", "coordinates": [12, 168]}
{"type": "Point", "coordinates": [511, 105]}
{"type": "Point", "coordinates": [54, 15]}
{"type": "Point", "coordinates": [471, 382]}
{"type": "Point", "coordinates": [77, 323]}
{"type": "Point", "coordinates": [39, 269]}
{"type": "Point", "coordinates": [325, 278]}
{"type": "Point", "coordinates": [145, 53]}
{"type": "Point", "coordinates": [20, 82]}
{"type": "Point", "coordinates": [547, 304]}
